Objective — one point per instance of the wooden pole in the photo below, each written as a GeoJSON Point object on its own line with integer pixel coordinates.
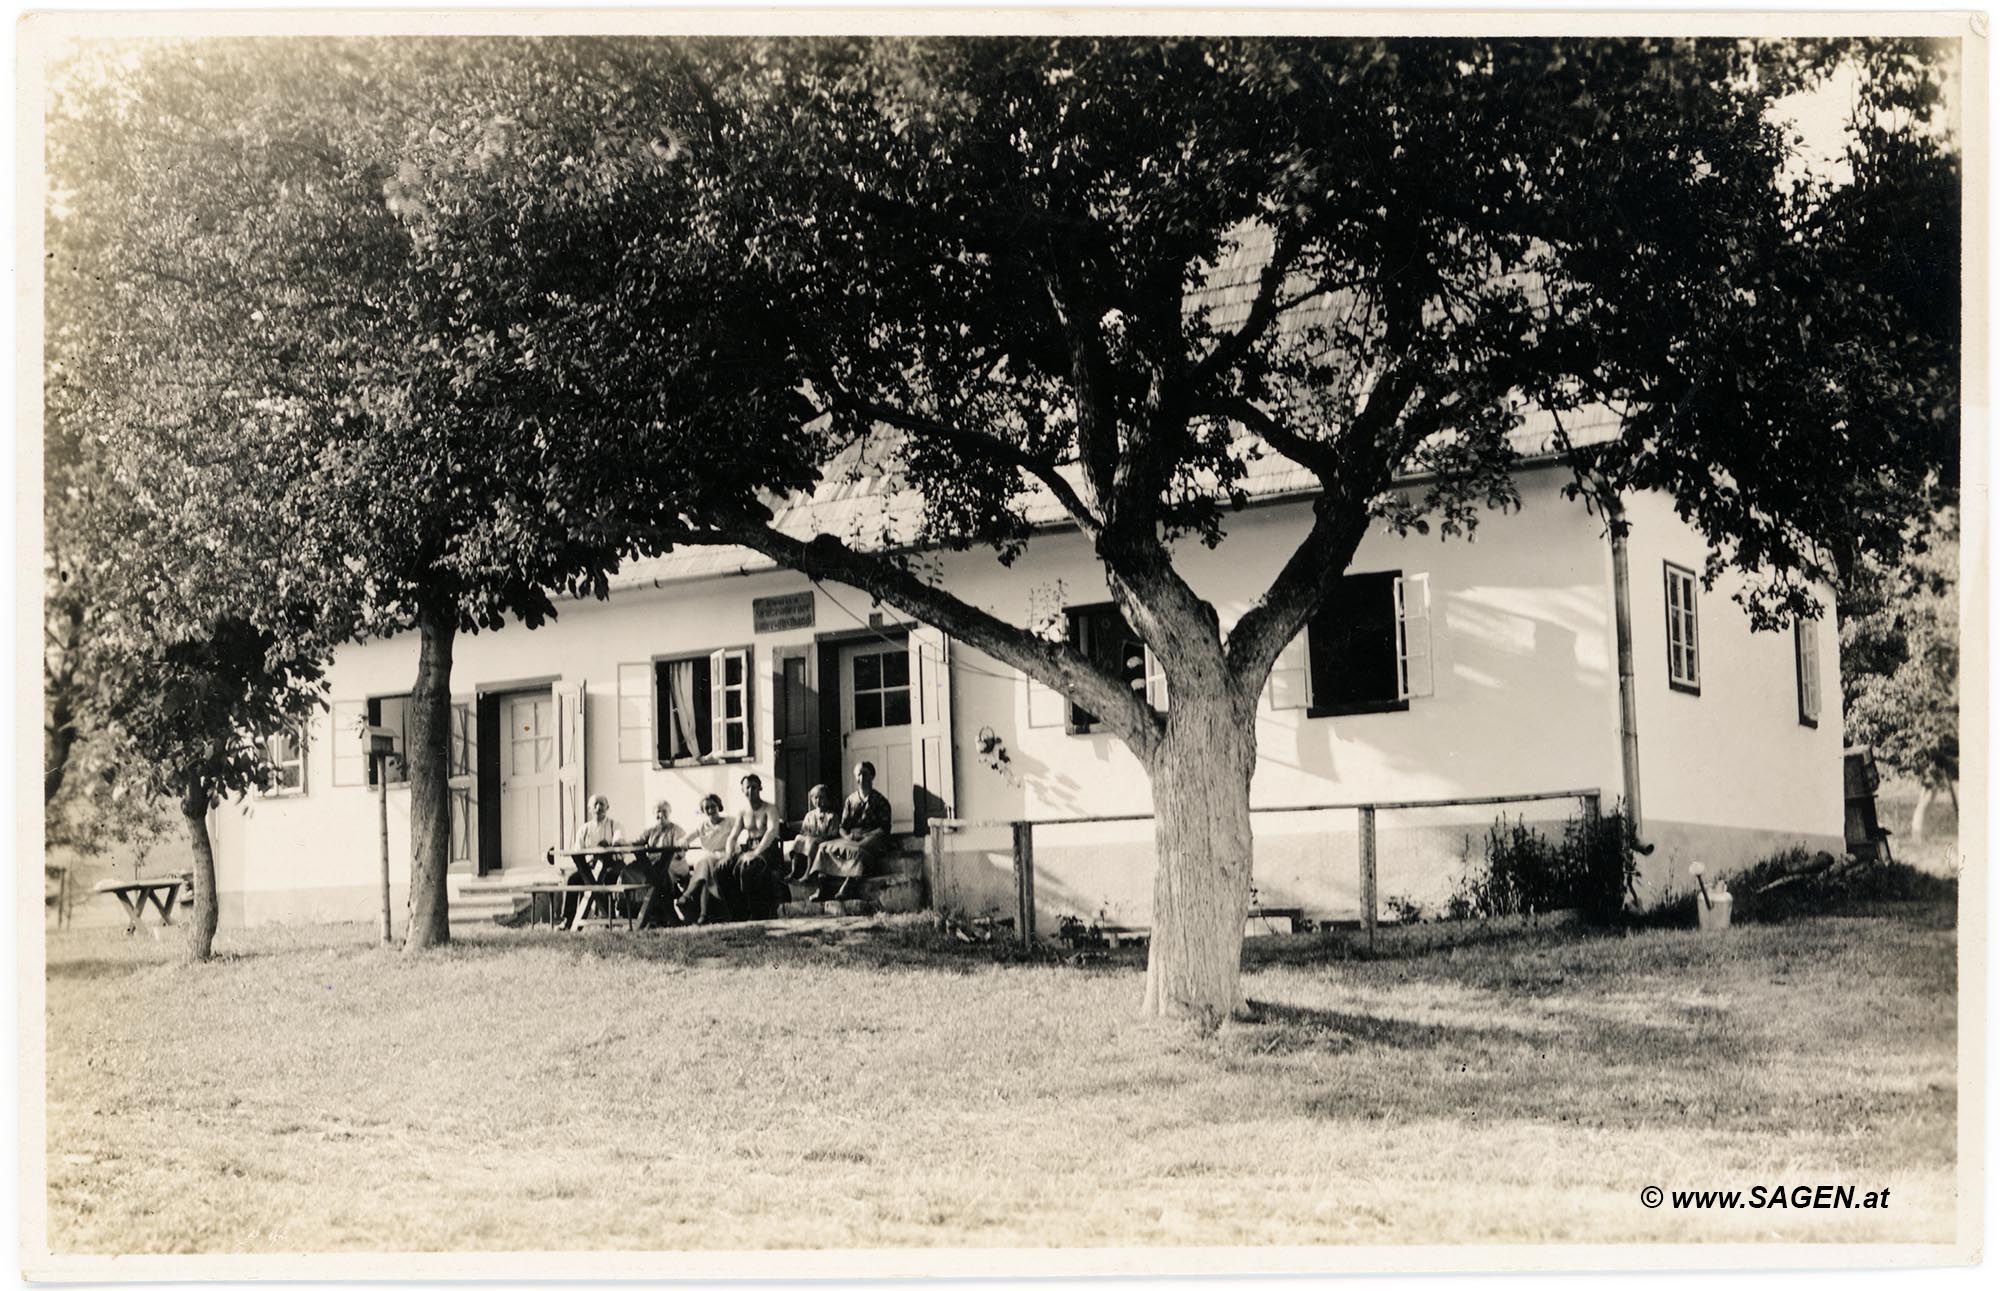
{"type": "Point", "coordinates": [382, 788]}
{"type": "Point", "coordinates": [1368, 873]}
{"type": "Point", "coordinates": [934, 866]}
{"type": "Point", "coordinates": [1024, 881]}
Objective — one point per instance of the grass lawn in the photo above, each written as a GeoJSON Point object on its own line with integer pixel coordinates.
{"type": "Point", "coordinates": [876, 1085]}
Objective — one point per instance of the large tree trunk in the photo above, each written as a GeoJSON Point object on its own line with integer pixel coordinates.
{"type": "Point", "coordinates": [430, 786]}
{"type": "Point", "coordinates": [207, 910]}
{"type": "Point", "coordinates": [1201, 833]}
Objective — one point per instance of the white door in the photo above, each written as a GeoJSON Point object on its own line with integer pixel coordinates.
{"type": "Point", "coordinates": [875, 723]}
{"type": "Point", "coordinates": [527, 778]}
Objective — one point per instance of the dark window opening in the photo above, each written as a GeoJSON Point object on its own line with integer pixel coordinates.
{"type": "Point", "coordinates": [1352, 650]}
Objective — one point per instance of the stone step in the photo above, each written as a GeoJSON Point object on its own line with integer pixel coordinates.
{"type": "Point", "coordinates": [889, 893]}
{"type": "Point", "coordinates": [825, 909]}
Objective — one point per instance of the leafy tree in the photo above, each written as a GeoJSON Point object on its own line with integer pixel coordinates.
{"type": "Point", "coordinates": [1899, 664]}
{"type": "Point", "coordinates": [248, 218]}
{"type": "Point", "coordinates": [1113, 272]}
{"type": "Point", "coordinates": [179, 657]}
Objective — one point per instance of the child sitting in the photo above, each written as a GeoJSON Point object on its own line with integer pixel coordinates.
{"type": "Point", "coordinates": [818, 826]}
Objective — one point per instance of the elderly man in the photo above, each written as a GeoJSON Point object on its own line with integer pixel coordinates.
{"type": "Point", "coordinates": [598, 831]}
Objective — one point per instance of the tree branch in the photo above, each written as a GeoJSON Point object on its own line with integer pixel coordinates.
{"type": "Point", "coordinates": [1317, 456]}
{"type": "Point", "coordinates": [1053, 663]}
{"type": "Point", "coordinates": [993, 446]}
{"type": "Point", "coordinates": [1263, 312]}
{"type": "Point", "coordinates": [1340, 520]}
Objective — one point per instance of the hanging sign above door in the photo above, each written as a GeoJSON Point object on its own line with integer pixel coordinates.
{"type": "Point", "coordinates": [781, 613]}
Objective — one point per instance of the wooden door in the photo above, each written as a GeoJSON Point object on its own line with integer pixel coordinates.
{"type": "Point", "coordinates": [876, 721]}
{"type": "Point", "coordinates": [528, 820]}
{"type": "Point", "coordinates": [795, 737]}
{"type": "Point", "coordinates": [571, 700]}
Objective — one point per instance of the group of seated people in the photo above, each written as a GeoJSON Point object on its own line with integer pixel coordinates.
{"type": "Point", "coordinates": [736, 866]}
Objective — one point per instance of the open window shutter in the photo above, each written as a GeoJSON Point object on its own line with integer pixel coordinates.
{"type": "Point", "coordinates": [736, 743]}
{"type": "Point", "coordinates": [462, 766]}
{"type": "Point", "coordinates": [1812, 663]}
{"type": "Point", "coordinates": [1806, 640]}
{"type": "Point", "coordinates": [1046, 705]}
{"type": "Point", "coordinates": [1288, 685]}
{"type": "Point", "coordinates": [635, 712]}
{"type": "Point", "coordinates": [570, 745]}
{"type": "Point", "coordinates": [1156, 681]}
{"type": "Point", "coordinates": [718, 742]}
{"type": "Point", "coordinates": [931, 734]}
{"type": "Point", "coordinates": [1413, 635]}
{"type": "Point", "coordinates": [350, 745]}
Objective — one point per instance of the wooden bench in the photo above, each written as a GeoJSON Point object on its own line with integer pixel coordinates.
{"type": "Point", "coordinates": [551, 897]}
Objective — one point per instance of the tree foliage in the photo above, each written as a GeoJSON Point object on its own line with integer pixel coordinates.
{"type": "Point", "coordinates": [1899, 659]}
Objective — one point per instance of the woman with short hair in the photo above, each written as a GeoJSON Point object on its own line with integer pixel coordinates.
{"type": "Point", "coordinates": [709, 848]}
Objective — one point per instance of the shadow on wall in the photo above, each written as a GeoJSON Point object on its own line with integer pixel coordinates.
{"type": "Point", "coordinates": [1503, 672]}
{"type": "Point", "coordinates": [1006, 787]}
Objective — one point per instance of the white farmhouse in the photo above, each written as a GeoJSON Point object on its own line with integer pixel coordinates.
{"type": "Point", "coordinates": [1462, 669]}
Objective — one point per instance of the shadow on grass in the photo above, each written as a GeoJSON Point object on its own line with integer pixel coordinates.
{"type": "Point", "coordinates": [1270, 1027]}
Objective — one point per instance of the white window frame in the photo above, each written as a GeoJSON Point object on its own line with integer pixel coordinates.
{"type": "Point", "coordinates": [277, 789]}
{"type": "Point", "coordinates": [399, 741]}
{"type": "Point", "coordinates": [350, 744]}
{"type": "Point", "coordinates": [1155, 683]}
{"type": "Point", "coordinates": [1805, 659]}
{"type": "Point", "coordinates": [1414, 673]}
{"type": "Point", "coordinates": [1151, 680]}
{"type": "Point", "coordinates": [729, 738]}
{"type": "Point", "coordinates": [1683, 628]}
{"type": "Point", "coordinates": [1290, 684]}
{"type": "Point", "coordinates": [637, 705]}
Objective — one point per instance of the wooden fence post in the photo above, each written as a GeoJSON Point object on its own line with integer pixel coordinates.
{"type": "Point", "coordinates": [934, 867]}
{"type": "Point", "coordinates": [1368, 873]}
{"type": "Point", "coordinates": [382, 784]}
{"type": "Point", "coordinates": [1024, 881]}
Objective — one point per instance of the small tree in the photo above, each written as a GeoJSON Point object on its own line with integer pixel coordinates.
{"type": "Point", "coordinates": [179, 659]}
{"type": "Point", "coordinates": [193, 712]}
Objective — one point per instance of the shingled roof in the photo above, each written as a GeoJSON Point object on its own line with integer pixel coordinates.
{"type": "Point", "coordinates": [866, 503]}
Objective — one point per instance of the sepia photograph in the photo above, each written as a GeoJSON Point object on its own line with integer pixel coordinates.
{"type": "Point", "coordinates": [823, 644]}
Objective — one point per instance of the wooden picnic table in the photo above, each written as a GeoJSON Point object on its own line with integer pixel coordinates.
{"type": "Point", "coordinates": [134, 894]}
{"type": "Point", "coordinates": [591, 863]}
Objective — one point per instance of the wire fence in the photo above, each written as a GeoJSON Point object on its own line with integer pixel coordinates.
{"type": "Point", "coordinates": [1328, 864]}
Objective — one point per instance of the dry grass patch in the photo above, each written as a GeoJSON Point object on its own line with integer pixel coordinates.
{"type": "Point", "coordinates": [875, 1085]}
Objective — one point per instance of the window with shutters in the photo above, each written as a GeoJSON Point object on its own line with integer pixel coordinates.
{"type": "Point", "coordinates": [1367, 649]}
{"type": "Point", "coordinates": [393, 713]}
{"type": "Point", "coordinates": [1100, 634]}
{"type": "Point", "coordinates": [701, 707]}
{"type": "Point", "coordinates": [287, 754]}
{"type": "Point", "coordinates": [1805, 654]}
{"type": "Point", "coordinates": [1683, 631]}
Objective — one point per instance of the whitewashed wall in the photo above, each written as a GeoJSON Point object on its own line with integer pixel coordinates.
{"type": "Point", "coordinates": [1524, 701]}
{"type": "Point", "coordinates": [1727, 776]}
